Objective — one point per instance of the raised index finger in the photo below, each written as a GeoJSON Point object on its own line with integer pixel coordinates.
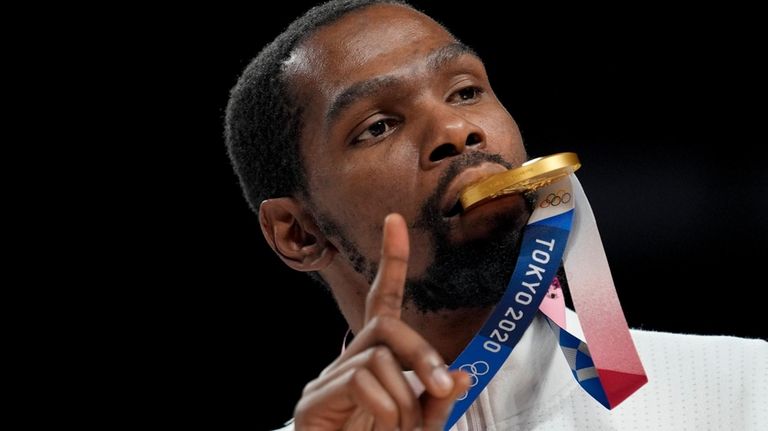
{"type": "Point", "coordinates": [386, 295]}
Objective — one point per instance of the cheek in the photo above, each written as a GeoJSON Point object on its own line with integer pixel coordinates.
{"type": "Point", "coordinates": [503, 135]}
{"type": "Point", "coordinates": [359, 187]}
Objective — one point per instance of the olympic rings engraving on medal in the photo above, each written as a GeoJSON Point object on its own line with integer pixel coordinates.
{"type": "Point", "coordinates": [478, 368]}
{"type": "Point", "coordinates": [555, 199]}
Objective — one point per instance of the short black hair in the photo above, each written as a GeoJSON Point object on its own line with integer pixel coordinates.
{"type": "Point", "coordinates": [263, 119]}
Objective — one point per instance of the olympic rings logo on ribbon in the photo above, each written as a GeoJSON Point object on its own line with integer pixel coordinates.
{"type": "Point", "coordinates": [555, 199]}
{"type": "Point", "coordinates": [478, 368]}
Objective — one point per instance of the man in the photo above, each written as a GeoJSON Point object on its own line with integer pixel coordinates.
{"type": "Point", "coordinates": [352, 134]}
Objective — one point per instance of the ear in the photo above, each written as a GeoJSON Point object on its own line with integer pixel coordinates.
{"type": "Point", "coordinates": [293, 234]}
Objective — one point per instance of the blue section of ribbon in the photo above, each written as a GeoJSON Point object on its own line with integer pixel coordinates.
{"type": "Point", "coordinates": [562, 221]}
{"type": "Point", "coordinates": [594, 387]}
{"type": "Point", "coordinates": [542, 250]}
{"type": "Point", "coordinates": [582, 360]}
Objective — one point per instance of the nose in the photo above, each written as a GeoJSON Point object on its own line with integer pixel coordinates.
{"type": "Point", "coordinates": [449, 134]}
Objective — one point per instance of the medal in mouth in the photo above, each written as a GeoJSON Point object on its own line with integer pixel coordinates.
{"type": "Point", "coordinates": [531, 175]}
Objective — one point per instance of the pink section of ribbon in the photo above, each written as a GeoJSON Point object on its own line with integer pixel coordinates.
{"type": "Point", "coordinates": [553, 305]}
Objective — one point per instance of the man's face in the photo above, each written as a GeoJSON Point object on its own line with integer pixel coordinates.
{"type": "Point", "coordinates": [398, 117]}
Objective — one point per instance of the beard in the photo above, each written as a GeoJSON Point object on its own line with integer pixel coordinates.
{"type": "Point", "coordinates": [469, 275]}
{"type": "Point", "coordinates": [472, 274]}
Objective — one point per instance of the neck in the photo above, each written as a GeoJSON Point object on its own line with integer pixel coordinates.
{"type": "Point", "coordinates": [448, 332]}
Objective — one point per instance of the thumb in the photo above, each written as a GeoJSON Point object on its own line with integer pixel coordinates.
{"type": "Point", "coordinates": [436, 410]}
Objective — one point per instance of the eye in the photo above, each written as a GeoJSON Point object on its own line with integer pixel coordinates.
{"type": "Point", "coordinates": [466, 95]}
{"type": "Point", "coordinates": [377, 129]}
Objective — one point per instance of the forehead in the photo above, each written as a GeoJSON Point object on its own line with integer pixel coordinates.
{"type": "Point", "coordinates": [373, 41]}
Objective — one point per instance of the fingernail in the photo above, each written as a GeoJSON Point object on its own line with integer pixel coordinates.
{"type": "Point", "coordinates": [441, 378]}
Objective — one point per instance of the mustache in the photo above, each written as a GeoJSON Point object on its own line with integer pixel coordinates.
{"type": "Point", "coordinates": [430, 211]}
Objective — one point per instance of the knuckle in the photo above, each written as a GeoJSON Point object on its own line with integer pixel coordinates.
{"type": "Point", "coordinates": [309, 387]}
{"type": "Point", "coordinates": [392, 300]}
{"type": "Point", "coordinates": [330, 367]}
{"type": "Point", "coordinates": [384, 326]}
{"type": "Point", "coordinates": [389, 414]}
{"type": "Point", "coordinates": [380, 354]}
{"type": "Point", "coordinates": [428, 355]}
{"type": "Point", "coordinates": [357, 378]}
{"type": "Point", "coordinates": [408, 405]}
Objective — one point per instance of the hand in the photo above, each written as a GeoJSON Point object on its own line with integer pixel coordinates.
{"type": "Point", "coordinates": [365, 388]}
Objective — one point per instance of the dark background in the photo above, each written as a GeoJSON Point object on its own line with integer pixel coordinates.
{"type": "Point", "coordinates": [657, 106]}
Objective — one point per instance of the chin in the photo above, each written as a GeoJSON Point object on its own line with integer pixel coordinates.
{"type": "Point", "coordinates": [473, 259]}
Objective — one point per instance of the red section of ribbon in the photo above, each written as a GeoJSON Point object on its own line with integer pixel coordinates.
{"type": "Point", "coordinates": [618, 385]}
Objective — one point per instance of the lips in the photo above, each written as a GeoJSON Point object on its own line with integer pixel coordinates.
{"type": "Point", "coordinates": [450, 205]}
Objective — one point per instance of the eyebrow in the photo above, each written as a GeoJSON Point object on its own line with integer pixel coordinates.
{"type": "Point", "coordinates": [436, 60]}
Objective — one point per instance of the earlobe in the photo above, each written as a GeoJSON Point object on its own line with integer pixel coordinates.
{"type": "Point", "coordinates": [293, 234]}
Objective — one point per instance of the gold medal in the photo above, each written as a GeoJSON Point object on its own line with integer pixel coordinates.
{"type": "Point", "coordinates": [532, 175]}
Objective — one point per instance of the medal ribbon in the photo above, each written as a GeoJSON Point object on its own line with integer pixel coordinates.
{"type": "Point", "coordinates": [612, 371]}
